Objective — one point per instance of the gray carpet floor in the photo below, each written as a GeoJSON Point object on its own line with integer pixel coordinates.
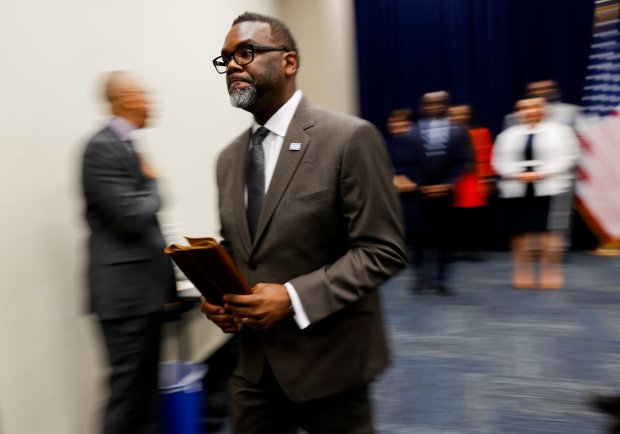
{"type": "Point", "coordinates": [497, 360]}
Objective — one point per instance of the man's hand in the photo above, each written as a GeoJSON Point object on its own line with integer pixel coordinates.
{"type": "Point", "coordinates": [220, 317]}
{"type": "Point", "coordinates": [529, 176]}
{"type": "Point", "coordinates": [403, 184]}
{"type": "Point", "coordinates": [268, 304]}
{"type": "Point", "coordinates": [437, 190]}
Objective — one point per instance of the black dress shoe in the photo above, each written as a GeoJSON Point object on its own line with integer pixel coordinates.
{"type": "Point", "coordinates": [607, 404]}
{"type": "Point", "coordinates": [614, 429]}
{"type": "Point", "coordinates": [443, 289]}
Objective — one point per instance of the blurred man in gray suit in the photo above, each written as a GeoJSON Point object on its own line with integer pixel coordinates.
{"type": "Point", "coordinates": [129, 276]}
{"type": "Point", "coordinates": [310, 216]}
{"type": "Point", "coordinates": [557, 110]}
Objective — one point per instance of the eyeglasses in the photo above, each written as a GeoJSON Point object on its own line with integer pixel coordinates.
{"type": "Point", "coordinates": [242, 56]}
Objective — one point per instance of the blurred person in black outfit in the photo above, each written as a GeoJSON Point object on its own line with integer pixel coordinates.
{"type": "Point", "coordinates": [399, 143]}
{"type": "Point", "coordinates": [129, 276]}
{"type": "Point", "coordinates": [427, 164]}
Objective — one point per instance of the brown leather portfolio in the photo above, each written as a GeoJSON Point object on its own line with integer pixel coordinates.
{"type": "Point", "coordinates": [209, 267]}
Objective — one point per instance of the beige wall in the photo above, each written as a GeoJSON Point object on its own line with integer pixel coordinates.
{"type": "Point", "coordinates": [51, 365]}
{"type": "Point", "coordinates": [326, 38]}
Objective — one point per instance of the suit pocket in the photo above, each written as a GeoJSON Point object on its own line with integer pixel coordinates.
{"type": "Point", "coordinates": [309, 198]}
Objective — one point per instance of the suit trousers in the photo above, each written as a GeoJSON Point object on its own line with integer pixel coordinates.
{"type": "Point", "coordinates": [264, 409]}
{"type": "Point", "coordinates": [432, 240]}
{"type": "Point", "coordinates": [133, 347]}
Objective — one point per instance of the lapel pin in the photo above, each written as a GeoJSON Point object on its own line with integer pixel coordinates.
{"type": "Point", "coordinates": [294, 147]}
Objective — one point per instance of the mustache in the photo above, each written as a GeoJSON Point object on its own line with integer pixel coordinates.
{"type": "Point", "coordinates": [232, 78]}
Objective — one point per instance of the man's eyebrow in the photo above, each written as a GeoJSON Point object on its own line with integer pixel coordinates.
{"type": "Point", "coordinates": [240, 44]}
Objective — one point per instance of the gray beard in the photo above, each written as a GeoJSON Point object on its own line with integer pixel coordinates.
{"type": "Point", "coordinates": [243, 98]}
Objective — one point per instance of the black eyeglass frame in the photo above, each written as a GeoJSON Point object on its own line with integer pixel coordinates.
{"type": "Point", "coordinates": [223, 60]}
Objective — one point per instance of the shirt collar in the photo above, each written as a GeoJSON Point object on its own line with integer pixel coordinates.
{"type": "Point", "coordinates": [279, 122]}
{"type": "Point", "coordinates": [121, 127]}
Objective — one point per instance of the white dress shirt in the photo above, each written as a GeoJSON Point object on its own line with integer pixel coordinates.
{"type": "Point", "coordinates": [272, 144]}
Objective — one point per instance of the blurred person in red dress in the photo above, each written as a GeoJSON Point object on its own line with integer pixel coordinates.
{"type": "Point", "coordinates": [472, 190]}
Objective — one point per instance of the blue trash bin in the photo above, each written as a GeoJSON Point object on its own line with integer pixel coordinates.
{"type": "Point", "coordinates": [180, 389]}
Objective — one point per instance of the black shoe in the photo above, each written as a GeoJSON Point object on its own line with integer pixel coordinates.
{"type": "Point", "coordinates": [443, 289]}
{"type": "Point", "coordinates": [614, 429]}
{"type": "Point", "coordinates": [607, 404]}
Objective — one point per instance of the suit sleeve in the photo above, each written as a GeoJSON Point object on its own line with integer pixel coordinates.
{"type": "Point", "coordinates": [372, 213]}
{"type": "Point", "coordinates": [461, 156]}
{"type": "Point", "coordinates": [125, 202]}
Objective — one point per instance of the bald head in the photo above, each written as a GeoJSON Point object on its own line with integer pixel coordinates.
{"type": "Point", "coordinates": [126, 96]}
{"type": "Point", "coordinates": [115, 82]}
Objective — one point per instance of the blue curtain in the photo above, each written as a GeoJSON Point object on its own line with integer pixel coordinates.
{"type": "Point", "coordinates": [482, 51]}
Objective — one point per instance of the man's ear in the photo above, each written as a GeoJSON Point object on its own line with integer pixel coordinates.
{"type": "Point", "coordinates": [291, 63]}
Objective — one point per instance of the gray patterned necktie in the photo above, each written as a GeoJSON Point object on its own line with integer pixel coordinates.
{"type": "Point", "coordinates": [255, 178]}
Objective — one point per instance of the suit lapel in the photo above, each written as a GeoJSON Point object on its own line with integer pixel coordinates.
{"type": "Point", "coordinates": [288, 160]}
{"type": "Point", "coordinates": [129, 151]}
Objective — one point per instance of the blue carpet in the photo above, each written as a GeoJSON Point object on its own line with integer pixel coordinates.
{"type": "Point", "coordinates": [495, 360]}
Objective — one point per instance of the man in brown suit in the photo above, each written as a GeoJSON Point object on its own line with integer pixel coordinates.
{"type": "Point", "coordinates": [325, 234]}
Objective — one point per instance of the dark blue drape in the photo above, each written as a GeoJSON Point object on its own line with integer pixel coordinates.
{"type": "Point", "coordinates": [482, 51]}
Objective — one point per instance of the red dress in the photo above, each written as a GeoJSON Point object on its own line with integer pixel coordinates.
{"type": "Point", "coordinates": [471, 190]}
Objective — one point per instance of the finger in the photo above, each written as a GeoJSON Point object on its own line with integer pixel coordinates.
{"type": "Point", "coordinates": [248, 319]}
{"type": "Point", "coordinates": [243, 311]}
{"type": "Point", "coordinates": [220, 318]}
{"type": "Point", "coordinates": [229, 328]}
{"type": "Point", "coordinates": [239, 299]}
{"type": "Point", "coordinates": [233, 328]}
{"type": "Point", "coordinates": [208, 308]}
{"type": "Point", "coordinates": [228, 324]}
{"type": "Point", "coordinates": [212, 310]}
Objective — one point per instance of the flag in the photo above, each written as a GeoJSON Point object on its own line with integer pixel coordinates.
{"type": "Point", "coordinates": [598, 184]}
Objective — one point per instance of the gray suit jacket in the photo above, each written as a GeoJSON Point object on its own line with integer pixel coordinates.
{"type": "Point", "coordinates": [128, 273]}
{"type": "Point", "coordinates": [331, 224]}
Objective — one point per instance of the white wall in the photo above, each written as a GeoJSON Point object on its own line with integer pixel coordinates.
{"type": "Point", "coordinates": [53, 53]}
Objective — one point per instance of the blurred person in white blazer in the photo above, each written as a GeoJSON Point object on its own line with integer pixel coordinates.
{"type": "Point", "coordinates": [535, 162]}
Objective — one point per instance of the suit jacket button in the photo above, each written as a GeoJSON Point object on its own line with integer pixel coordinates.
{"type": "Point", "coordinates": [252, 265]}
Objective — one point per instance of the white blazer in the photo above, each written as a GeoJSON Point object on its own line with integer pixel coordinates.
{"type": "Point", "coordinates": [556, 150]}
